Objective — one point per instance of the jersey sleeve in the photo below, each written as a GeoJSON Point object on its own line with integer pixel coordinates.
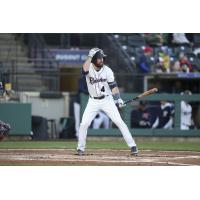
{"type": "Point", "coordinates": [84, 73]}
{"type": "Point", "coordinates": [110, 76]}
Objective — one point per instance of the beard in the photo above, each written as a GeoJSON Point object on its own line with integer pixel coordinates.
{"type": "Point", "coordinates": [99, 65]}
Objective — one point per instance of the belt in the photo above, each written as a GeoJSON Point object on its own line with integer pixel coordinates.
{"type": "Point", "coordinates": [99, 98]}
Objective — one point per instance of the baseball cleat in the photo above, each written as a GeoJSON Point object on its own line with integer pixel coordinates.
{"type": "Point", "coordinates": [80, 152]}
{"type": "Point", "coordinates": [134, 151]}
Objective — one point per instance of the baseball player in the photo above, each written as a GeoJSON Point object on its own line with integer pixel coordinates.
{"type": "Point", "coordinates": [165, 118]}
{"type": "Point", "coordinates": [186, 113]}
{"type": "Point", "coordinates": [141, 117]}
{"type": "Point", "coordinates": [103, 94]}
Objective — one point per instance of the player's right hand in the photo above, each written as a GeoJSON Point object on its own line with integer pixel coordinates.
{"type": "Point", "coordinates": [93, 51]}
{"type": "Point", "coordinates": [120, 103]}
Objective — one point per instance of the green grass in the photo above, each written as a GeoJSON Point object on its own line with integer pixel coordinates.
{"type": "Point", "coordinates": [151, 145]}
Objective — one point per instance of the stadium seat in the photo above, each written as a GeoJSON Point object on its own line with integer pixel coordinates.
{"type": "Point", "coordinates": [129, 50]}
{"type": "Point", "coordinates": [186, 50]}
{"type": "Point", "coordinates": [195, 63]}
{"type": "Point", "coordinates": [138, 51]}
{"type": "Point", "coordinates": [135, 40]}
{"type": "Point", "coordinates": [122, 39]}
{"type": "Point", "coordinates": [197, 39]}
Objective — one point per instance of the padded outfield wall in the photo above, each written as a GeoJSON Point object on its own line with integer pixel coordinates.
{"type": "Point", "coordinates": [126, 114]}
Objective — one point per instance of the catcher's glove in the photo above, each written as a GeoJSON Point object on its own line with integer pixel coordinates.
{"type": "Point", "coordinates": [4, 130]}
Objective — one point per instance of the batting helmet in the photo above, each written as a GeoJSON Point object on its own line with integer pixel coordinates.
{"type": "Point", "coordinates": [98, 55]}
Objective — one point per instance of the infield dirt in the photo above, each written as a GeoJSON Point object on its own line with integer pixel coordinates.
{"type": "Point", "coordinates": [100, 157]}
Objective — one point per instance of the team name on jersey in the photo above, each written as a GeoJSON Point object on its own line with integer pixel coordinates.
{"type": "Point", "coordinates": [93, 80]}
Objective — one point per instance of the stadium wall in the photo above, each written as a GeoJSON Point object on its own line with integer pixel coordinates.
{"type": "Point", "coordinates": [175, 132]}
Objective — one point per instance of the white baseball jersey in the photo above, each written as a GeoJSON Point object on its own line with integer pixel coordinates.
{"type": "Point", "coordinates": [186, 114]}
{"type": "Point", "coordinates": [97, 81]}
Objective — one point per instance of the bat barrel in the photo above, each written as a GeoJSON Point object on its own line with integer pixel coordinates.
{"type": "Point", "coordinates": [151, 91]}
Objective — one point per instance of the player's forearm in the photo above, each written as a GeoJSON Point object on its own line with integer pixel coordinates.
{"type": "Point", "coordinates": [116, 94]}
{"type": "Point", "coordinates": [115, 90]}
{"type": "Point", "coordinates": [87, 64]}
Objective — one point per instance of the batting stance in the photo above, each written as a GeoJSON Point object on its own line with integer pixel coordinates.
{"type": "Point", "coordinates": [104, 93]}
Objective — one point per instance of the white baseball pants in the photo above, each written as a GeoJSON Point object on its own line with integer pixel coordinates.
{"type": "Point", "coordinates": [108, 106]}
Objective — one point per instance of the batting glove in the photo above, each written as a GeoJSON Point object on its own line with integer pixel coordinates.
{"type": "Point", "coordinates": [120, 103]}
{"type": "Point", "coordinates": [92, 52]}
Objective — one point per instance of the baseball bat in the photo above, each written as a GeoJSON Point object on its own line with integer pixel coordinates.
{"type": "Point", "coordinates": [144, 94]}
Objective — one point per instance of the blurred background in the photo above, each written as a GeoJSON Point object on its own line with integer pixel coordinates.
{"type": "Point", "coordinates": [45, 94]}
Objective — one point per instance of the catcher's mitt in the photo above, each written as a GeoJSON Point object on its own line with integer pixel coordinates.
{"type": "Point", "coordinates": [4, 130]}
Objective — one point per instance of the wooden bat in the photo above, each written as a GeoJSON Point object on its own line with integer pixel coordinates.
{"type": "Point", "coordinates": [144, 94]}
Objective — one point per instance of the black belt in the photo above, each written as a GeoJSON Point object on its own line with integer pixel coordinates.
{"type": "Point", "coordinates": [101, 97]}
